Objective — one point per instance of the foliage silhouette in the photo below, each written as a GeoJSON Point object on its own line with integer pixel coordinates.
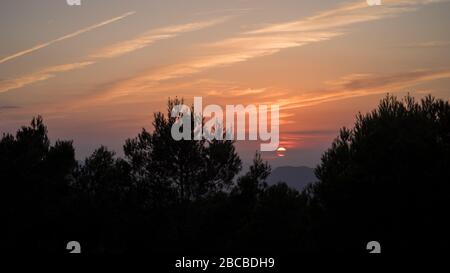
{"type": "Point", "coordinates": [186, 170]}
{"type": "Point", "coordinates": [36, 180]}
{"type": "Point", "coordinates": [386, 180]}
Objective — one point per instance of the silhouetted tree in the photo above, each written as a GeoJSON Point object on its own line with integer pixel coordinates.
{"type": "Point", "coordinates": [36, 180]}
{"type": "Point", "coordinates": [387, 179]}
{"type": "Point", "coordinates": [185, 169]}
{"type": "Point", "coordinates": [251, 184]}
{"type": "Point", "coordinates": [105, 178]}
{"type": "Point", "coordinates": [279, 222]}
{"type": "Point", "coordinates": [109, 202]}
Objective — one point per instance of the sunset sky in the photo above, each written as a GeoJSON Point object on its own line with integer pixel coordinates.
{"type": "Point", "coordinates": [98, 71]}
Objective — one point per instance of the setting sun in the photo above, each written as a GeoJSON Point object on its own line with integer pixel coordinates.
{"type": "Point", "coordinates": [281, 152]}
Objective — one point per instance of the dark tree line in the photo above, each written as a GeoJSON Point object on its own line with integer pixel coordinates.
{"type": "Point", "coordinates": [386, 179]}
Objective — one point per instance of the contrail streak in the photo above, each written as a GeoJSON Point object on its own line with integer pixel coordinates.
{"type": "Point", "coordinates": [65, 37]}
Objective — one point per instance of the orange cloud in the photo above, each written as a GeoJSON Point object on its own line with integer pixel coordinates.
{"type": "Point", "coordinates": [266, 41]}
{"type": "Point", "coordinates": [431, 44]}
{"type": "Point", "coordinates": [358, 85]}
{"type": "Point", "coordinates": [116, 50]}
{"type": "Point", "coordinates": [227, 52]}
{"type": "Point", "coordinates": [152, 36]}
{"type": "Point", "coordinates": [42, 75]}
{"type": "Point", "coordinates": [345, 15]}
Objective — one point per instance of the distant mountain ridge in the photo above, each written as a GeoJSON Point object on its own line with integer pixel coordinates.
{"type": "Point", "coordinates": [295, 177]}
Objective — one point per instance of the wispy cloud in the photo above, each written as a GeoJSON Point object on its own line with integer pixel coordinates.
{"type": "Point", "coordinates": [226, 52]}
{"type": "Point", "coordinates": [8, 107]}
{"type": "Point", "coordinates": [41, 75]}
{"type": "Point", "coordinates": [359, 85]}
{"type": "Point", "coordinates": [237, 92]}
{"type": "Point", "coordinates": [65, 37]}
{"type": "Point", "coordinates": [235, 50]}
{"type": "Point", "coordinates": [268, 40]}
{"type": "Point", "coordinates": [152, 36]}
{"type": "Point", "coordinates": [307, 138]}
{"type": "Point", "coordinates": [350, 86]}
{"type": "Point", "coordinates": [113, 51]}
{"type": "Point", "coordinates": [431, 44]}
{"type": "Point", "coordinates": [347, 14]}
